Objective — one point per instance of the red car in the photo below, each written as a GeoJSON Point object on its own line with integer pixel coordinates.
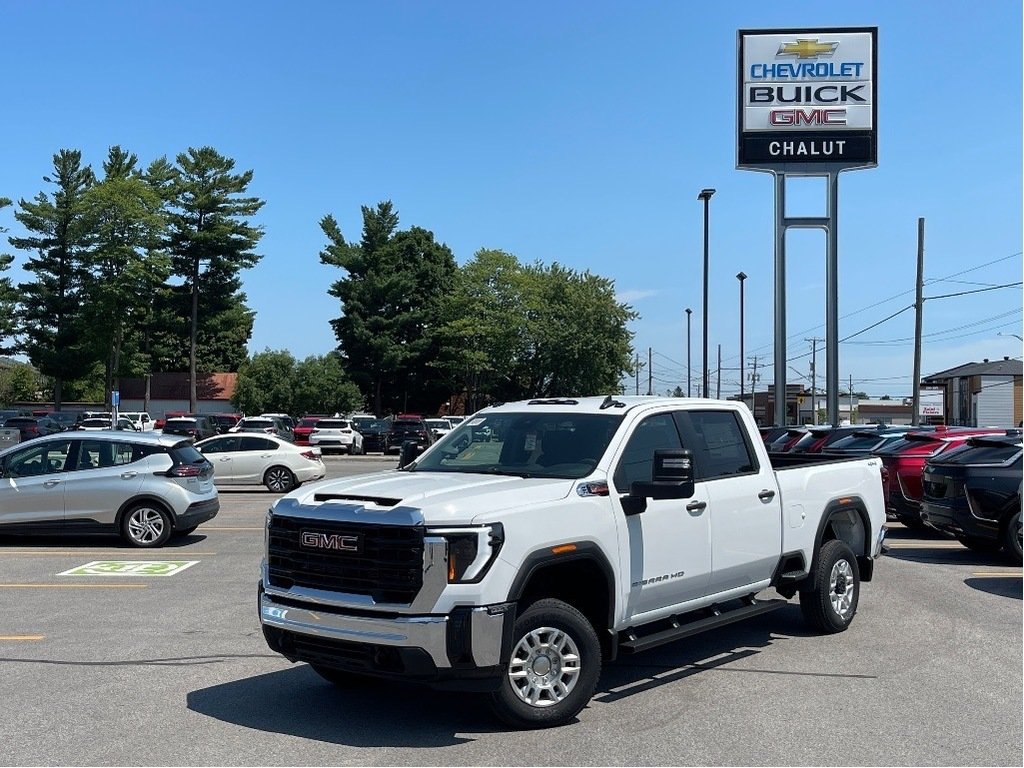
{"type": "Point", "coordinates": [304, 427]}
{"type": "Point", "coordinates": [903, 463]}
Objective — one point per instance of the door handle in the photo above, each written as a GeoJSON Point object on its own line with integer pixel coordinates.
{"type": "Point", "coordinates": [50, 483]}
{"type": "Point", "coordinates": [696, 506]}
{"type": "Point", "coordinates": [226, 458]}
{"type": "Point", "coordinates": [266, 456]}
{"type": "Point", "coordinates": [766, 495]}
{"type": "Point", "coordinates": [128, 475]}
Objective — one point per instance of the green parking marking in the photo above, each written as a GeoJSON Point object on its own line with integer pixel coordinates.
{"type": "Point", "coordinates": [130, 568]}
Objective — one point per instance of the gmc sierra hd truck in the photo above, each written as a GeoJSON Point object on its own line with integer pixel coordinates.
{"type": "Point", "coordinates": [542, 538]}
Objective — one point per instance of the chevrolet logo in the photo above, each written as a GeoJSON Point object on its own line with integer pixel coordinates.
{"type": "Point", "coordinates": [807, 49]}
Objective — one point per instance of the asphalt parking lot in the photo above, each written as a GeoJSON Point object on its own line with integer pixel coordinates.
{"type": "Point", "coordinates": [144, 669]}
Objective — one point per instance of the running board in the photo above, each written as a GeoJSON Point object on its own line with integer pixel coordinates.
{"type": "Point", "coordinates": [636, 644]}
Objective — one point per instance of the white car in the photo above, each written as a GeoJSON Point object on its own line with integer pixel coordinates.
{"type": "Point", "coordinates": [143, 421]}
{"type": "Point", "coordinates": [255, 459]}
{"type": "Point", "coordinates": [93, 425]}
{"type": "Point", "coordinates": [336, 435]}
{"type": "Point", "coordinates": [438, 427]}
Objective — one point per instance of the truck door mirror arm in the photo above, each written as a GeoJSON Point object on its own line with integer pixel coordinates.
{"type": "Point", "coordinates": [671, 478]}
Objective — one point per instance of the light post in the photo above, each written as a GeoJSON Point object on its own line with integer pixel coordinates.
{"type": "Point", "coordinates": [705, 195]}
{"type": "Point", "coordinates": [689, 391]}
{"type": "Point", "coordinates": [741, 277]}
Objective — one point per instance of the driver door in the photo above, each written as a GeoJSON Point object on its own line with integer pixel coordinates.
{"type": "Point", "coordinates": [32, 486]}
{"type": "Point", "coordinates": [667, 552]}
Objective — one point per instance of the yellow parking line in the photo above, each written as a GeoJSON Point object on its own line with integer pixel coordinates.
{"type": "Point", "coordinates": [6, 638]}
{"type": "Point", "coordinates": [73, 586]}
{"type": "Point", "coordinates": [998, 574]}
{"type": "Point", "coordinates": [110, 553]}
{"type": "Point", "coordinates": [924, 545]}
{"type": "Point", "coordinates": [257, 528]}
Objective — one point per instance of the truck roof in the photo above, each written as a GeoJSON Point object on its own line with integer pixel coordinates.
{"type": "Point", "coordinates": [601, 403]}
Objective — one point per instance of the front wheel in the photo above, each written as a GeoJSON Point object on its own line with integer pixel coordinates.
{"type": "Point", "coordinates": [554, 668]}
{"type": "Point", "coordinates": [830, 605]}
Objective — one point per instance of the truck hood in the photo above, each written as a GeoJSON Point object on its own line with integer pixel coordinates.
{"type": "Point", "coordinates": [441, 497]}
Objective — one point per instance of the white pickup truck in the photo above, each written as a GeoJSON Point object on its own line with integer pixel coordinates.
{"type": "Point", "coordinates": [539, 539]}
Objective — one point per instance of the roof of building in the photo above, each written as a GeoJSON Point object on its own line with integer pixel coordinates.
{"type": "Point", "coordinates": [1005, 367]}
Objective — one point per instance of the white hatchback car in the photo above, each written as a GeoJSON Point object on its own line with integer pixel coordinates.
{"type": "Point", "coordinates": [336, 434]}
{"type": "Point", "coordinates": [255, 459]}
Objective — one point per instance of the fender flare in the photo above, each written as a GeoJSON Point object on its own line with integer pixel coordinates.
{"type": "Point", "coordinates": [845, 504]}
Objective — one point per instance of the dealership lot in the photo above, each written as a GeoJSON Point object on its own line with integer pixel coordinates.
{"type": "Point", "coordinates": [152, 664]}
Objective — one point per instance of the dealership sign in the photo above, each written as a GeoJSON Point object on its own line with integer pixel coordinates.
{"type": "Point", "coordinates": [807, 98]}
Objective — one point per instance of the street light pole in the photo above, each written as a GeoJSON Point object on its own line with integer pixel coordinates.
{"type": "Point", "coordinates": [689, 391]}
{"type": "Point", "coordinates": [705, 195]}
{"type": "Point", "coordinates": [741, 276]}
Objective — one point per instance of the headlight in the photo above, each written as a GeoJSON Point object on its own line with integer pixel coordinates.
{"type": "Point", "coordinates": [471, 550]}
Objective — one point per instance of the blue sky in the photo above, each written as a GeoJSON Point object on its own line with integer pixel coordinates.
{"type": "Point", "coordinates": [577, 132]}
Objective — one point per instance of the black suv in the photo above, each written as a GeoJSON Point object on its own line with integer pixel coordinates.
{"type": "Point", "coordinates": [33, 426]}
{"type": "Point", "coordinates": [403, 430]}
{"type": "Point", "coordinates": [973, 492]}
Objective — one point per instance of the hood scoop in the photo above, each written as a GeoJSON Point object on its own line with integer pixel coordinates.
{"type": "Point", "coordinates": [380, 501]}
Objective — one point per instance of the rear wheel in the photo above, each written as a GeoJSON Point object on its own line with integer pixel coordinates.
{"type": "Point", "coordinates": [146, 525]}
{"type": "Point", "coordinates": [279, 479]}
{"type": "Point", "coordinates": [1012, 536]}
{"type": "Point", "coordinates": [554, 668]}
{"type": "Point", "coordinates": [832, 603]}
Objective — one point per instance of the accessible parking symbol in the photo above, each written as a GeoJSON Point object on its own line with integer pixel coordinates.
{"type": "Point", "coordinates": [130, 568]}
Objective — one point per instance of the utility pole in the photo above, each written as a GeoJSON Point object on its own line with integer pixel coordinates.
{"type": "Point", "coordinates": [718, 390]}
{"type": "Point", "coordinates": [650, 374]}
{"type": "Point", "coordinates": [915, 418]}
{"type": "Point", "coordinates": [637, 368]}
{"type": "Point", "coordinates": [851, 399]}
{"type": "Point", "coordinates": [814, 378]}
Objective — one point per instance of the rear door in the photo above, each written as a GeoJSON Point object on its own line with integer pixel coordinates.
{"type": "Point", "coordinates": [745, 511]}
{"type": "Point", "coordinates": [255, 454]}
{"type": "Point", "coordinates": [32, 486]}
{"type": "Point", "coordinates": [103, 476]}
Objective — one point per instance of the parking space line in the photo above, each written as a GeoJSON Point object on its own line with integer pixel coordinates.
{"type": "Point", "coordinates": [10, 638]}
{"type": "Point", "coordinates": [998, 574]}
{"type": "Point", "coordinates": [73, 586]}
{"type": "Point", "coordinates": [256, 528]}
{"type": "Point", "coordinates": [109, 553]}
{"type": "Point", "coordinates": [924, 545]}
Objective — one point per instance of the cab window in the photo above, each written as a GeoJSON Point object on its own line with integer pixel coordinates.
{"type": "Point", "coordinates": [719, 443]}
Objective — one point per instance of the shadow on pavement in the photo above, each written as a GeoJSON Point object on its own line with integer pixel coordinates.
{"type": "Point", "coordinates": [947, 556]}
{"type": "Point", "coordinates": [297, 702]}
{"type": "Point", "coordinates": [1003, 586]}
{"type": "Point", "coordinates": [97, 540]}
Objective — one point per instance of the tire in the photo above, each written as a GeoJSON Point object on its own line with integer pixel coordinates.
{"type": "Point", "coordinates": [553, 669]}
{"type": "Point", "coordinates": [279, 479]}
{"type": "Point", "coordinates": [832, 603]}
{"type": "Point", "coordinates": [981, 546]}
{"type": "Point", "coordinates": [339, 678]}
{"type": "Point", "coordinates": [146, 525]}
{"type": "Point", "coordinates": [1012, 536]}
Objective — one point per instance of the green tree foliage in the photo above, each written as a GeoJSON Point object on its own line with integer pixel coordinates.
{"type": "Point", "coordinates": [321, 386]}
{"type": "Point", "coordinates": [52, 318]}
{"type": "Point", "coordinates": [18, 383]}
{"type": "Point", "coordinates": [264, 384]}
{"type": "Point", "coordinates": [8, 298]}
{"type": "Point", "coordinates": [124, 215]}
{"type": "Point", "coordinates": [513, 331]}
{"type": "Point", "coordinates": [391, 298]}
{"type": "Point", "coordinates": [208, 225]}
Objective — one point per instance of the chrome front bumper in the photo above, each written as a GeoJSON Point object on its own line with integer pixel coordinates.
{"type": "Point", "coordinates": [485, 629]}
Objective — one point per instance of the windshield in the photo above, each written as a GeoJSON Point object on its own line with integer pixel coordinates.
{"type": "Point", "coordinates": [534, 444]}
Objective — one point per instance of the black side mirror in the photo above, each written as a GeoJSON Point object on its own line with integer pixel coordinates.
{"type": "Point", "coordinates": [408, 453]}
{"type": "Point", "coordinates": [671, 477]}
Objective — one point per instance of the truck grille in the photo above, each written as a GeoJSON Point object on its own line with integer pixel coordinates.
{"type": "Point", "coordinates": [386, 564]}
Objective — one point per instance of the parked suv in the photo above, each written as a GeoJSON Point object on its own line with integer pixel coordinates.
{"type": "Point", "coordinates": [142, 486]}
{"type": "Point", "coordinates": [973, 492]}
{"type": "Point", "coordinates": [336, 434]}
{"type": "Point", "coordinates": [33, 426]}
{"type": "Point", "coordinates": [405, 429]}
{"type": "Point", "coordinates": [194, 426]}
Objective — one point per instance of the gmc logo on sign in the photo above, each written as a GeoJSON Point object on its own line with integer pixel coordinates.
{"type": "Point", "coordinates": [317, 540]}
{"type": "Point", "coordinates": [807, 117]}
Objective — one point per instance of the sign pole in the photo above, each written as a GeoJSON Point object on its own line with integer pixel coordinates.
{"type": "Point", "coordinates": [780, 300]}
{"type": "Point", "coordinates": [832, 301]}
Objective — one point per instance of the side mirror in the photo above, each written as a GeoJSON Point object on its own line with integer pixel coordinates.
{"type": "Point", "coordinates": [408, 453]}
{"type": "Point", "coordinates": [671, 477]}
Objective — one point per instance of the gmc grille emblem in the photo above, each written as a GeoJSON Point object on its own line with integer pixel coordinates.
{"type": "Point", "coordinates": [317, 540]}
